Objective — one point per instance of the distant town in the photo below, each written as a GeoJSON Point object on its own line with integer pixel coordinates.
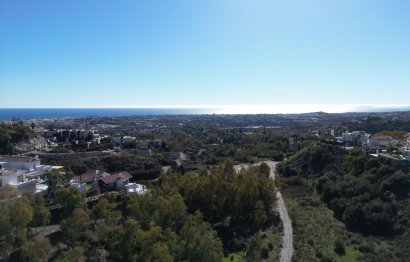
{"type": "Point", "coordinates": [116, 167]}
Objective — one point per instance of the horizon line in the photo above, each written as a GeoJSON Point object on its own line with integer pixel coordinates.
{"type": "Point", "coordinates": [258, 109]}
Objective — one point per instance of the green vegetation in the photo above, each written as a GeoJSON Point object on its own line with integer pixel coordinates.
{"type": "Point", "coordinates": [187, 217]}
{"type": "Point", "coordinates": [233, 257]}
{"type": "Point", "coordinates": [10, 135]}
{"type": "Point", "coordinates": [140, 168]}
{"type": "Point", "coordinates": [395, 134]}
{"type": "Point", "coordinates": [352, 207]}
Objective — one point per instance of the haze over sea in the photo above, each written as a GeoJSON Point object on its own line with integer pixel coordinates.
{"type": "Point", "coordinates": [33, 113]}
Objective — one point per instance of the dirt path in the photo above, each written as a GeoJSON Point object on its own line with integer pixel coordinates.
{"type": "Point", "coordinates": [287, 237]}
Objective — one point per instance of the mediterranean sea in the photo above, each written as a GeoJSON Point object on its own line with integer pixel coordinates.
{"type": "Point", "coordinates": [38, 113]}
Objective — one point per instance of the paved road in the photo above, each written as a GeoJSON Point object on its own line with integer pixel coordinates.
{"type": "Point", "coordinates": [287, 237]}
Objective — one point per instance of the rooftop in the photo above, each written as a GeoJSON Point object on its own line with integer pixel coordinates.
{"type": "Point", "coordinates": [7, 172]}
{"type": "Point", "coordinates": [92, 175]}
{"type": "Point", "coordinates": [115, 177]}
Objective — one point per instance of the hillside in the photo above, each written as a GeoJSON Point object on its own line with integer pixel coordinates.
{"type": "Point", "coordinates": [346, 206]}
{"type": "Point", "coordinates": [12, 137]}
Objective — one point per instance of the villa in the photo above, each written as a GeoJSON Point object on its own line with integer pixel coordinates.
{"type": "Point", "coordinates": [17, 179]}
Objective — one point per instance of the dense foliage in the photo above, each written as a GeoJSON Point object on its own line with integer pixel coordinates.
{"type": "Point", "coordinates": [10, 135]}
{"type": "Point", "coordinates": [189, 217]}
{"type": "Point", "coordinates": [369, 195]}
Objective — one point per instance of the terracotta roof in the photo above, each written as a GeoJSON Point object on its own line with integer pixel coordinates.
{"type": "Point", "coordinates": [92, 175]}
{"type": "Point", "coordinates": [114, 177]}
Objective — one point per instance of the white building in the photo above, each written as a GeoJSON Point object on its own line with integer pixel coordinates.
{"type": "Point", "coordinates": [31, 165]}
{"type": "Point", "coordinates": [18, 179]}
{"type": "Point", "coordinates": [128, 140]}
{"type": "Point", "coordinates": [22, 172]}
{"type": "Point", "coordinates": [132, 188]}
{"type": "Point", "coordinates": [355, 138]}
{"type": "Point", "coordinates": [80, 186]}
{"type": "Point", "coordinates": [124, 141]}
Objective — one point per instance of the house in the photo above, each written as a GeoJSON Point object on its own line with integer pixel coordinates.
{"type": "Point", "coordinates": [91, 176]}
{"type": "Point", "coordinates": [132, 188]}
{"type": "Point", "coordinates": [31, 165]}
{"type": "Point", "coordinates": [114, 181]}
{"type": "Point", "coordinates": [79, 185]}
{"type": "Point", "coordinates": [125, 141]}
{"type": "Point", "coordinates": [17, 179]}
{"type": "Point", "coordinates": [355, 138]}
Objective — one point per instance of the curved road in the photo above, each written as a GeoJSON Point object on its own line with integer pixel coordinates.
{"type": "Point", "coordinates": [287, 237]}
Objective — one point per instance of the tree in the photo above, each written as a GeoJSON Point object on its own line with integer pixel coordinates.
{"type": "Point", "coordinates": [253, 250]}
{"type": "Point", "coordinates": [76, 228]}
{"type": "Point", "coordinates": [152, 246]}
{"type": "Point", "coordinates": [55, 180]}
{"type": "Point", "coordinates": [41, 214]}
{"type": "Point", "coordinates": [106, 211]}
{"type": "Point", "coordinates": [97, 255]}
{"type": "Point", "coordinates": [173, 212]}
{"type": "Point", "coordinates": [15, 215]}
{"type": "Point", "coordinates": [36, 250]}
{"type": "Point", "coordinates": [228, 170]}
{"type": "Point", "coordinates": [76, 254]}
{"type": "Point", "coordinates": [260, 214]}
{"type": "Point", "coordinates": [199, 242]}
{"type": "Point", "coordinates": [70, 199]}
{"type": "Point", "coordinates": [264, 170]}
{"type": "Point", "coordinates": [340, 247]}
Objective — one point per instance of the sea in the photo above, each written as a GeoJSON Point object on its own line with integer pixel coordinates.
{"type": "Point", "coordinates": [42, 113]}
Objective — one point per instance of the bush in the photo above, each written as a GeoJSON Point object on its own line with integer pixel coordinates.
{"type": "Point", "coordinates": [340, 247]}
{"type": "Point", "coordinates": [264, 253]}
{"type": "Point", "coordinates": [326, 259]}
{"type": "Point", "coordinates": [365, 248]}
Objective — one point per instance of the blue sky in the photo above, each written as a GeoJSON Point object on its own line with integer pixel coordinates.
{"type": "Point", "coordinates": [215, 52]}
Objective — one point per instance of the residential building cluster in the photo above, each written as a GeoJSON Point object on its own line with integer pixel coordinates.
{"type": "Point", "coordinates": [144, 146]}
{"type": "Point", "coordinates": [59, 136]}
{"type": "Point", "coordinates": [355, 138]}
{"type": "Point", "coordinates": [24, 173]}
{"type": "Point", "coordinates": [107, 182]}
{"type": "Point", "coordinates": [378, 145]}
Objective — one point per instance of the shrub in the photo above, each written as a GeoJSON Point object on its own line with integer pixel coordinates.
{"type": "Point", "coordinates": [340, 247]}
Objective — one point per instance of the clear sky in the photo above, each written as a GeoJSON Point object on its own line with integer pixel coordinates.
{"type": "Point", "coordinates": [213, 52]}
